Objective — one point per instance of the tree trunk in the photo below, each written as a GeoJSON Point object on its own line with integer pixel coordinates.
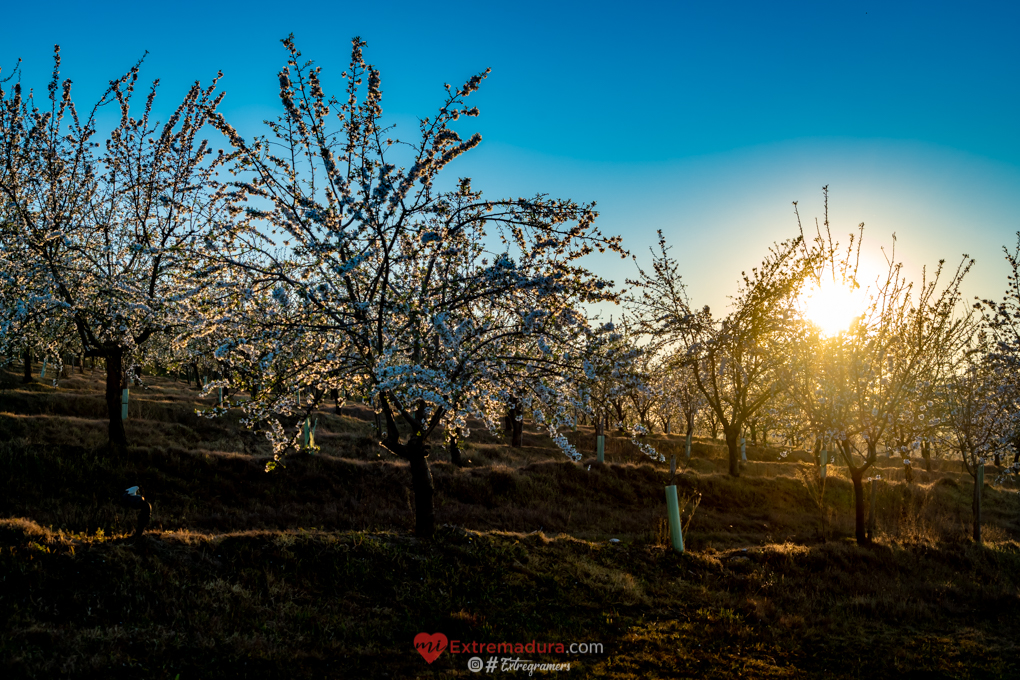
{"type": "Point", "coordinates": [518, 436]}
{"type": "Point", "coordinates": [857, 476]}
{"type": "Point", "coordinates": [647, 423]}
{"type": "Point", "coordinates": [455, 456]}
{"type": "Point", "coordinates": [114, 388]}
{"type": "Point", "coordinates": [620, 424]}
{"type": "Point", "coordinates": [978, 483]}
{"type": "Point", "coordinates": [926, 454]}
{"type": "Point", "coordinates": [860, 526]}
{"type": "Point", "coordinates": [415, 452]}
{"type": "Point", "coordinates": [872, 510]}
{"type": "Point", "coordinates": [424, 490]}
{"type": "Point", "coordinates": [732, 433]}
{"type": "Point", "coordinates": [516, 424]}
{"type": "Point", "coordinates": [27, 357]}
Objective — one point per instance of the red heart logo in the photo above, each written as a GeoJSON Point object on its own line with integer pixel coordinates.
{"type": "Point", "coordinates": [430, 646]}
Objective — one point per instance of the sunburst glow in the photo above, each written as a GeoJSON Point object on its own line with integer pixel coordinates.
{"type": "Point", "coordinates": [832, 307]}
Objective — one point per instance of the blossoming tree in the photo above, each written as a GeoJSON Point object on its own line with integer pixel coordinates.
{"type": "Point", "coordinates": [978, 409]}
{"type": "Point", "coordinates": [854, 386]}
{"type": "Point", "coordinates": [439, 303]}
{"type": "Point", "coordinates": [1001, 323]}
{"type": "Point", "coordinates": [734, 359]}
{"type": "Point", "coordinates": [110, 240]}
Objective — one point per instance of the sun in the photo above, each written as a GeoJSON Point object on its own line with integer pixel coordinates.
{"type": "Point", "coordinates": [832, 307]}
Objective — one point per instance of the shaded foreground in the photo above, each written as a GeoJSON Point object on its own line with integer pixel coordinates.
{"type": "Point", "coordinates": [325, 604]}
{"type": "Point", "coordinates": [311, 572]}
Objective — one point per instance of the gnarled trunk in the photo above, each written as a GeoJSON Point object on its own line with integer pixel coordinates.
{"type": "Point", "coordinates": [27, 357]}
{"type": "Point", "coordinates": [415, 452]}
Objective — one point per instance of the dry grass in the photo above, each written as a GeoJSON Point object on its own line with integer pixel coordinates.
{"type": "Point", "coordinates": [311, 571]}
{"type": "Point", "coordinates": [303, 604]}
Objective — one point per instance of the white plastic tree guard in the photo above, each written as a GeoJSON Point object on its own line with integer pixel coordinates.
{"type": "Point", "coordinates": [676, 534]}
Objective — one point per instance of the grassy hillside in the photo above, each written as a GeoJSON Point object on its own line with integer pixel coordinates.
{"type": "Point", "coordinates": [311, 571]}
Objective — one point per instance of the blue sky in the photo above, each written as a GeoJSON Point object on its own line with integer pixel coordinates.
{"type": "Point", "coordinates": [704, 120]}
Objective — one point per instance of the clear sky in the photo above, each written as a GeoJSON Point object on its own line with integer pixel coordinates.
{"type": "Point", "coordinates": [705, 120]}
